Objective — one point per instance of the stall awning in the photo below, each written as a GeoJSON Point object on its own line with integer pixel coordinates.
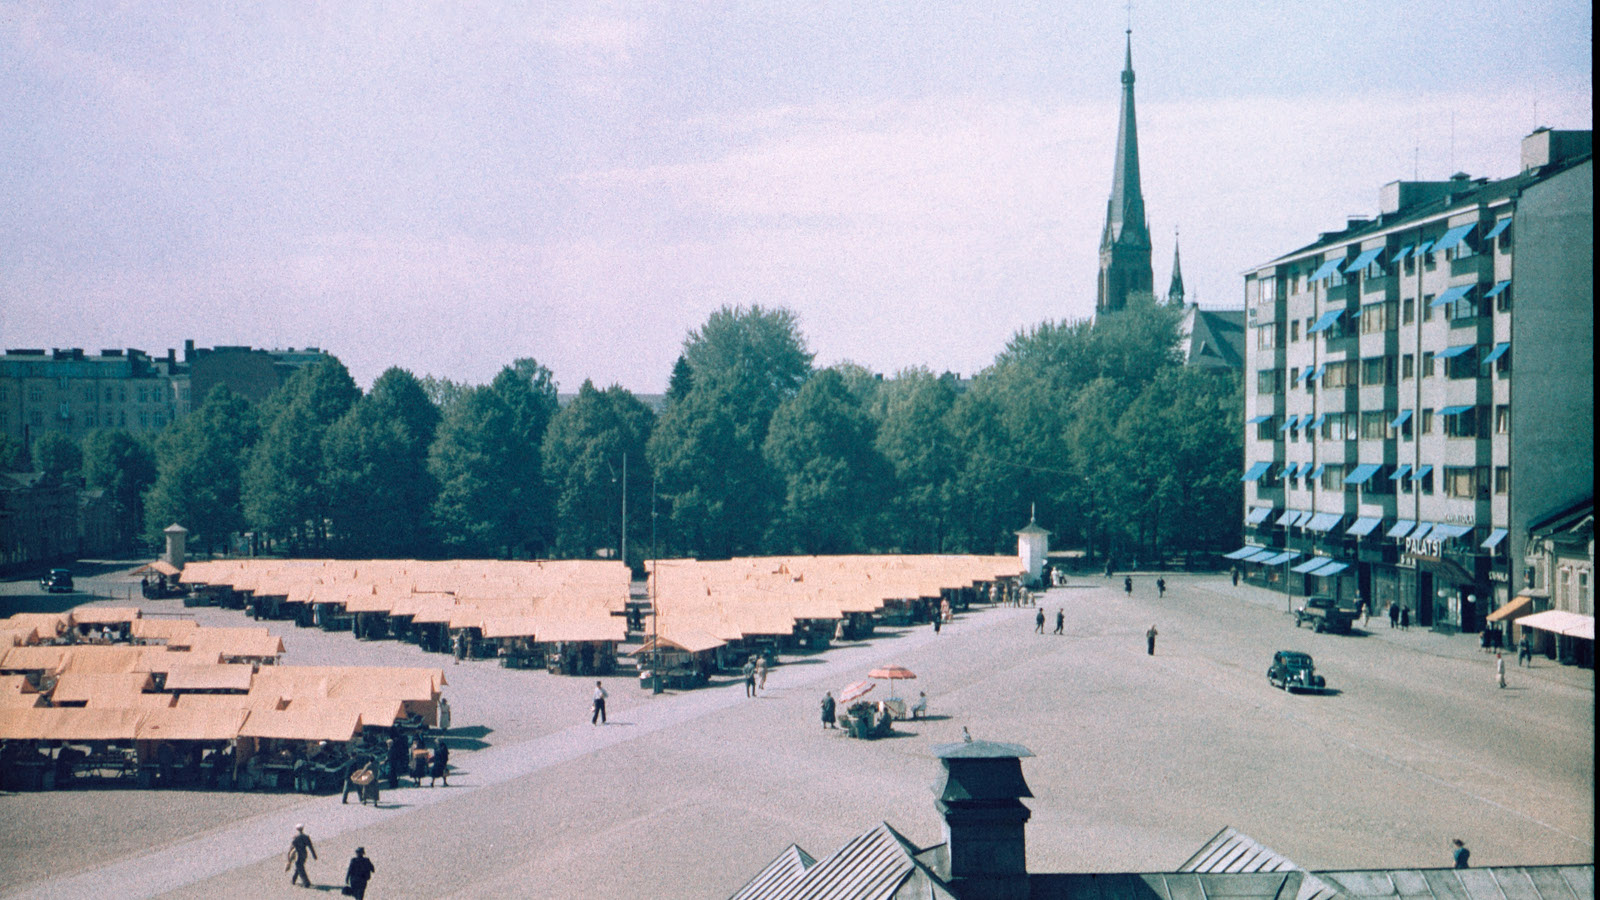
{"type": "Point", "coordinates": [1457, 350]}
{"type": "Point", "coordinates": [1257, 514]}
{"type": "Point", "coordinates": [1362, 474]}
{"type": "Point", "coordinates": [1562, 622]}
{"type": "Point", "coordinates": [1517, 607]}
{"type": "Point", "coordinates": [1421, 473]}
{"type": "Point", "coordinates": [1279, 559]}
{"type": "Point", "coordinates": [1331, 567]}
{"type": "Point", "coordinates": [1325, 321]}
{"type": "Point", "coordinates": [1256, 470]}
{"type": "Point", "coordinates": [1451, 295]}
{"type": "Point", "coordinates": [1400, 471]}
{"type": "Point", "coordinates": [1242, 552]}
{"type": "Point", "coordinates": [1362, 526]}
{"type": "Point", "coordinates": [1315, 562]}
{"type": "Point", "coordinates": [1494, 539]}
{"type": "Point", "coordinates": [1328, 268]}
{"type": "Point", "coordinates": [1446, 531]}
{"type": "Point", "coordinates": [1401, 528]}
{"type": "Point", "coordinates": [1323, 521]}
{"type": "Point", "coordinates": [1453, 237]}
{"type": "Point", "coordinates": [1405, 415]}
{"type": "Point", "coordinates": [1498, 351]}
{"type": "Point", "coordinates": [1364, 260]}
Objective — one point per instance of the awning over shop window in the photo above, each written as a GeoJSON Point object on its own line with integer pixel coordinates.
{"type": "Point", "coordinates": [1323, 521]}
{"type": "Point", "coordinates": [1278, 559]}
{"type": "Point", "coordinates": [1328, 267]}
{"type": "Point", "coordinates": [1260, 555]}
{"type": "Point", "coordinates": [1453, 237]}
{"type": "Point", "coordinates": [1258, 514]}
{"type": "Point", "coordinates": [1315, 562]}
{"type": "Point", "coordinates": [1422, 530]}
{"type": "Point", "coordinates": [1560, 621]}
{"type": "Point", "coordinates": [1242, 552]}
{"type": "Point", "coordinates": [1362, 474]}
{"type": "Point", "coordinates": [1498, 351]}
{"type": "Point", "coordinates": [1364, 260]}
{"type": "Point", "coordinates": [1451, 295]}
{"type": "Point", "coordinates": [1363, 526]}
{"type": "Point", "coordinates": [1256, 470]}
{"type": "Point", "coordinates": [1447, 531]}
{"type": "Point", "coordinates": [1289, 516]}
{"type": "Point", "coordinates": [1325, 321]}
{"type": "Point", "coordinates": [1517, 607]}
{"type": "Point", "coordinates": [1332, 567]}
{"type": "Point", "coordinates": [1494, 539]}
{"type": "Point", "coordinates": [1499, 226]}
{"type": "Point", "coordinates": [1401, 528]}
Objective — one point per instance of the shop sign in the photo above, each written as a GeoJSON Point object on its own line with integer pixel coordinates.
{"type": "Point", "coordinates": [1424, 547]}
{"type": "Point", "coordinates": [1498, 576]}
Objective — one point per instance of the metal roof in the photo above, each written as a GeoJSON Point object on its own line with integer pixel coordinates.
{"type": "Point", "coordinates": [877, 865]}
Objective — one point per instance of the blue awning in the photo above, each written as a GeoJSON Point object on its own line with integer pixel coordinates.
{"type": "Point", "coordinates": [1317, 422]}
{"type": "Point", "coordinates": [1258, 514]}
{"type": "Point", "coordinates": [1401, 528]}
{"type": "Point", "coordinates": [1498, 534]}
{"type": "Point", "coordinates": [1451, 295]}
{"type": "Point", "coordinates": [1447, 531]}
{"type": "Point", "coordinates": [1302, 518]}
{"type": "Point", "coordinates": [1453, 237]}
{"type": "Point", "coordinates": [1401, 253]}
{"type": "Point", "coordinates": [1498, 351]}
{"type": "Point", "coordinates": [1364, 260]}
{"type": "Point", "coordinates": [1318, 470]}
{"type": "Point", "coordinates": [1256, 470]}
{"type": "Point", "coordinates": [1323, 521]}
{"type": "Point", "coordinates": [1257, 420]}
{"type": "Point", "coordinates": [1400, 471]}
{"type": "Point", "coordinates": [1328, 267]}
{"type": "Point", "coordinates": [1499, 226]}
{"type": "Point", "coordinates": [1362, 474]}
{"type": "Point", "coordinates": [1363, 526]}
{"type": "Point", "coordinates": [1315, 562]}
{"type": "Point", "coordinates": [1332, 567]}
{"type": "Point", "coordinates": [1405, 415]}
{"type": "Point", "coordinates": [1421, 473]}
{"type": "Point", "coordinates": [1279, 559]}
{"type": "Point", "coordinates": [1289, 423]}
{"type": "Point", "coordinates": [1304, 374]}
{"type": "Point", "coordinates": [1457, 350]}
{"type": "Point", "coordinates": [1422, 248]}
{"type": "Point", "coordinates": [1498, 287]}
{"type": "Point", "coordinates": [1318, 372]}
{"type": "Point", "coordinates": [1259, 555]}
{"type": "Point", "coordinates": [1325, 321]}
{"type": "Point", "coordinates": [1242, 552]}
{"type": "Point", "coordinates": [1422, 531]}
{"type": "Point", "coordinates": [1288, 518]}
{"type": "Point", "coordinates": [1304, 469]}
{"type": "Point", "coordinates": [1454, 410]}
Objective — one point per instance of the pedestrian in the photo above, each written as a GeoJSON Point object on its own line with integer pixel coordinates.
{"type": "Point", "coordinates": [1405, 618]}
{"type": "Point", "coordinates": [599, 715]}
{"type": "Point", "coordinates": [1127, 585]}
{"type": "Point", "coordinates": [439, 767]}
{"type": "Point", "coordinates": [359, 873]}
{"type": "Point", "coordinates": [750, 677]}
{"type": "Point", "coordinates": [1500, 670]}
{"type": "Point", "coordinates": [1038, 623]}
{"type": "Point", "coordinates": [1161, 587]}
{"type": "Point", "coordinates": [1235, 576]}
{"type": "Point", "coordinates": [1150, 641]}
{"type": "Point", "coordinates": [461, 646]}
{"type": "Point", "coordinates": [356, 780]}
{"type": "Point", "coordinates": [444, 714]}
{"type": "Point", "coordinates": [299, 846]}
{"type": "Point", "coordinates": [1061, 620]}
{"type": "Point", "coordinates": [1525, 650]}
{"type": "Point", "coordinates": [1461, 854]}
{"type": "Point", "coordinates": [1364, 611]}
{"type": "Point", "coordinates": [399, 758]}
{"type": "Point", "coordinates": [938, 620]}
{"type": "Point", "coordinates": [1394, 614]}
{"type": "Point", "coordinates": [1484, 640]}
{"type": "Point", "coordinates": [828, 708]}
{"type": "Point", "coordinates": [761, 673]}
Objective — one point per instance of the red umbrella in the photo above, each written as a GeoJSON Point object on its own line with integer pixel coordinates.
{"type": "Point", "coordinates": [891, 674]}
{"type": "Point", "coordinates": [855, 690]}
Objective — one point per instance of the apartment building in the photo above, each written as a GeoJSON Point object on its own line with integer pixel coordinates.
{"type": "Point", "coordinates": [1419, 390]}
{"type": "Point", "coordinates": [75, 393]}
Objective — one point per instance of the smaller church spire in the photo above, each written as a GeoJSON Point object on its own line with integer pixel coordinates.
{"type": "Point", "coordinates": [1175, 289]}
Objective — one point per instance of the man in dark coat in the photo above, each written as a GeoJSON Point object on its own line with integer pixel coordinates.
{"type": "Point", "coordinates": [1127, 586]}
{"type": "Point", "coordinates": [1038, 623]}
{"type": "Point", "coordinates": [440, 768]}
{"type": "Point", "coordinates": [1150, 641]}
{"type": "Point", "coordinates": [399, 756]}
{"type": "Point", "coordinates": [359, 873]}
{"type": "Point", "coordinates": [828, 707]}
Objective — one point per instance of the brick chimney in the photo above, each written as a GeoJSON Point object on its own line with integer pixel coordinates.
{"type": "Point", "coordinates": [984, 819]}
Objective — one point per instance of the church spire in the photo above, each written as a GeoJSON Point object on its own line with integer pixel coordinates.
{"type": "Point", "coordinates": [1175, 289]}
{"type": "Point", "coordinates": [1125, 244]}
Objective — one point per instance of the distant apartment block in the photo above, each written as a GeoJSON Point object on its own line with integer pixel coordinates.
{"type": "Point", "coordinates": [1420, 390]}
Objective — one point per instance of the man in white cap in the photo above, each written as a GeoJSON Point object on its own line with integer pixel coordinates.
{"type": "Point", "coordinates": [298, 848]}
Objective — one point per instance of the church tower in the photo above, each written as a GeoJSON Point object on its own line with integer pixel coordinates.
{"type": "Point", "coordinates": [1125, 245]}
{"type": "Point", "coordinates": [1175, 288]}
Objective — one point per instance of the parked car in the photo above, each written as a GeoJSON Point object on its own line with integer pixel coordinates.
{"type": "Point", "coordinates": [1325, 614]}
{"type": "Point", "coordinates": [57, 581]}
{"type": "Point", "coordinates": [1293, 671]}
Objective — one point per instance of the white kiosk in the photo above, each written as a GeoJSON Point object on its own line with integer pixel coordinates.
{"type": "Point", "coordinates": [1033, 545]}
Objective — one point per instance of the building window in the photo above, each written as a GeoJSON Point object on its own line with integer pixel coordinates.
{"type": "Point", "coordinates": [1427, 483]}
{"type": "Point", "coordinates": [1377, 370]}
{"type": "Point", "coordinates": [1502, 300]}
{"type": "Point", "coordinates": [1462, 311]}
{"type": "Point", "coordinates": [1427, 364]}
{"type": "Point", "coordinates": [160, 419]}
{"type": "Point", "coordinates": [1427, 421]}
{"type": "Point", "coordinates": [1462, 425]}
{"type": "Point", "coordinates": [1502, 479]}
{"type": "Point", "coordinates": [88, 393]}
{"type": "Point", "coordinates": [1333, 477]}
{"type": "Point", "coordinates": [1335, 377]}
{"type": "Point", "coordinates": [1408, 366]}
{"type": "Point", "coordinates": [36, 393]}
{"type": "Point", "coordinates": [1427, 307]}
{"type": "Point", "coordinates": [1377, 317]}
{"type": "Point", "coordinates": [109, 395]}
{"type": "Point", "coordinates": [1583, 592]}
{"type": "Point", "coordinates": [1462, 365]}
{"type": "Point", "coordinates": [1460, 481]}
{"type": "Point", "coordinates": [1375, 425]}
{"type": "Point", "coordinates": [1294, 331]}
{"type": "Point", "coordinates": [1264, 337]}
{"type": "Point", "coordinates": [1267, 381]}
{"type": "Point", "coordinates": [1408, 310]}
{"type": "Point", "coordinates": [1502, 419]}
{"type": "Point", "coordinates": [1269, 290]}
{"type": "Point", "coordinates": [1502, 366]}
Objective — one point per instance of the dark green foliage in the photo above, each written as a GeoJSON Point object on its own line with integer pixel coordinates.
{"type": "Point", "coordinates": [57, 457]}
{"type": "Point", "coordinates": [472, 460]}
{"type": "Point", "coordinates": [915, 440]}
{"type": "Point", "coordinates": [14, 456]}
{"type": "Point", "coordinates": [286, 493]}
{"type": "Point", "coordinates": [376, 460]}
{"type": "Point", "coordinates": [443, 392]}
{"type": "Point", "coordinates": [583, 462]}
{"type": "Point", "coordinates": [198, 463]}
{"type": "Point", "coordinates": [124, 467]}
{"type": "Point", "coordinates": [820, 447]}
{"type": "Point", "coordinates": [529, 393]}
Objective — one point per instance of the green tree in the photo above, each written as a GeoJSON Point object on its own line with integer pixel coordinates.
{"type": "Point", "coordinates": [820, 446]}
{"type": "Point", "coordinates": [285, 493]}
{"type": "Point", "coordinates": [198, 464]}
{"type": "Point", "coordinates": [57, 456]}
{"type": "Point", "coordinates": [529, 393]}
{"type": "Point", "coordinates": [443, 392]}
{"type": "Point", "coordinates": [472, 461]}
{"type": "Point", "coordinates": [583, 460]}
{"type": "Point", "coordinates": [124, 467]}
{"type": "Point", "coordinates": [376, 460]}
{"type": "Point", "coordinates": [14, 456]}
{"type": "Point", "coordinates": [912, 410]}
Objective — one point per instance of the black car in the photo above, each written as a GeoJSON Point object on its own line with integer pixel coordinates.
{"type": "Point", "coordinates": [1294, 671]}
{"type": "Point", "coordinates": [57, 581]}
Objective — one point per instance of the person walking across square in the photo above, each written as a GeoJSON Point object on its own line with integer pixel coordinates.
{"type": "Point", "coordinates": [599, 715]}
{"type": "Point", "coordinates": [299, 846]}
{"type": "Point", "coordinates": [1500, 670]}
{"type": "Point", "coordinates": [1161, 587]}
{"type": "Point", "coordinates": [828, 707]}
{"type": "Point", "coordinates": [1127, 585]}
{"type": "Point", "coordinates": [1150, 641]}
{"type": "Point", "coordinates": [1038, 622]}
{"type": "Point", "coordinates": [1061, 620]}
{"type": "Point", "coordinates": [750, 677]}
{"type": "Point", "coordinates": [1394, 614]}
{"type": "Point", "coordinates": [1525, 651]}
{"type": "Point", "coordinates": [358, 874]}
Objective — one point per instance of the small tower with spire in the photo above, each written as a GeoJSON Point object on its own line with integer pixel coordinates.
{"type": "Point", "coordinates": [1175, 288]}
{"type": "Point", "coordinates": [1125, 243]}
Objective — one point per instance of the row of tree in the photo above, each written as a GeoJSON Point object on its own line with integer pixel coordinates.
{"type": "Point", "coordinates": [1123, 449]}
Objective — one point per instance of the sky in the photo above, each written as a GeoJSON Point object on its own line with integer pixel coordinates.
{"type": "Point", "coordinates": [447, 187]}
